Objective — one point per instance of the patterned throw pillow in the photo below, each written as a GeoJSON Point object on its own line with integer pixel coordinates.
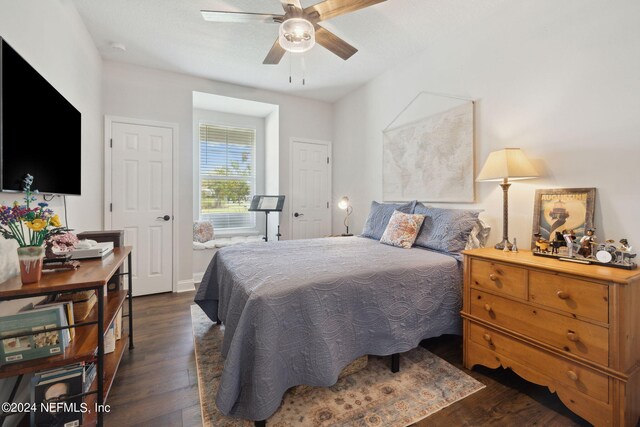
{"type": "Point", "coordinates": [402, 230]}
{"type": "Point", "coordinates": [379, 216]}
{"type": "Point", "coordinates": [202, 231]}
{"type": "Point", "coordinates": [445, 230]}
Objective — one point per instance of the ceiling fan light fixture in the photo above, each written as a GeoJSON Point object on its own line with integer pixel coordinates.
{"type": "Point", "coordinates": [296, 35]}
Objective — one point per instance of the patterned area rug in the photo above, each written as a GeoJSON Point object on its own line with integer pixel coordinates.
{"type": "Point", "coordinates": [373, 396]}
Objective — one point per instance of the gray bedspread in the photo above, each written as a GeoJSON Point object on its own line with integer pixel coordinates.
{"type": "Point", "coordinates": [297, 312]}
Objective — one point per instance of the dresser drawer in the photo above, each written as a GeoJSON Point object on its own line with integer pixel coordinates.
{"type": "Point", "coordinates": [577, 297]}
{"type": "Point", "coordinates": [498, 277]}
{"type": "Point", "coordinates": [565, 333]}
{"type": "Point", "coordinates": [556, 368]}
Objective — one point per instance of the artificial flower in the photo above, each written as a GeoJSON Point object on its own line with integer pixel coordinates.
{"type": "Point", "coordinates": [37, 224]}
{"type": "Point", "coordinates": [55, 221]}
{"type": "Point", "coordinates": [40, 220]}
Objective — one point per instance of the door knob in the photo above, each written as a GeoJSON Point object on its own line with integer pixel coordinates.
{"type": "Point", "coordinates": [297, 214]}
{"type": "Point", "coordinates": [165, 218]}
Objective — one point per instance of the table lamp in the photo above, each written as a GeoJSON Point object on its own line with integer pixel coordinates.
{"type": "Point", "coordinates": [504, 165]}
{"type": "Point", "coordinates": [345, 206]}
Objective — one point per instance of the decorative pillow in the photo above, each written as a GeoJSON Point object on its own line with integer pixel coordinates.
{"type": "Point", "coordinates": [445, 230]}
{"type": "Point", "coordinates": [202, 231]}
{"type": "Point", "coordinates": [478, 236]}
{"type": "Point", "coordinates": [402, 230]}
{"type": "Point", "coordinates": [379, 216]}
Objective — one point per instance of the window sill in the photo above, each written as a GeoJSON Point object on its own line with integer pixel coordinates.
{"type": "Point", "coordinates": [235, 233]}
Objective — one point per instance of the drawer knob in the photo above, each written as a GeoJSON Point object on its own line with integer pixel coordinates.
{"type": "Point", "coordinates": [493, 277]}
{"type": "Point", "coordinates": [487, 338]}
{"type": "Point", "coordinates": [562, 294]}
{"type": "Point", "coordinates": [488, 308]}
{"type": "Point", "coordinates": [573, 336]}
{"type": "Point", "coordinates": [572, 375]}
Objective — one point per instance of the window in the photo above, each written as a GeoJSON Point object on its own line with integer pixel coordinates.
{"type": "Point", "coordinates": [227, 176]}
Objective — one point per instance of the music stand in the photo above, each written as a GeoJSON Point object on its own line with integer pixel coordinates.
{"type": "Point", "coordinates": [267, 204]}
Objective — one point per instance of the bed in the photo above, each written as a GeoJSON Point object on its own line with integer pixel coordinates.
{"type": "Point", "coordinates": [297, 312]}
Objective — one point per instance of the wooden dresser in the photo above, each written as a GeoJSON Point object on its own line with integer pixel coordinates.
{"type": "Point", "coordinates": [571, 327]}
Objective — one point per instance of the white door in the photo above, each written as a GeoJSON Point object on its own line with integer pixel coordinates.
{"type": "Point", "coordinates": [310, 189]}
{"type": "Point", "coordinates": [141, 197]}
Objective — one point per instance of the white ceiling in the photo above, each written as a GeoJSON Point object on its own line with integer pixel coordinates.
{"type": "Point", "coordinates": [171, 35]}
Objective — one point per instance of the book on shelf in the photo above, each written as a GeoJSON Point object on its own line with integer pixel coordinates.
{"type": "Point", "coordinates": [90, 371]}
{"type": "Point", "coordinates": [83, 302]}
{"type": "Point", "coordinates": [39, 342]}
{"type": "Point", "coordinates": [118, 323]}
{"type": "Point", "coordinates": [68, 311]}
{"type": "Point", "coordinates": [110, 339]}
{"type": "Point", "coordinates": [50, 393]}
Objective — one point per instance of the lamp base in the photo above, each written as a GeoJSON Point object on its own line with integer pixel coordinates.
{"type": "Point", "coordinates": [505, 242]}
{"type": "Point", "coordinates": [347, 234]}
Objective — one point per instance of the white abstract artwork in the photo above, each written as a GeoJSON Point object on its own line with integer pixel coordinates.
{"type": "Point", "coordinates": [431, 159]}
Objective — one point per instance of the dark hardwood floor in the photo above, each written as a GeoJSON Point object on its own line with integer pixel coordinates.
{"type": "Point", "coordinates": [156, 384]}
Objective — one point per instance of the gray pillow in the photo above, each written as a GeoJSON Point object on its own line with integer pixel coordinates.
{"type": "Point", "coordinates": [379, 216]}
{"type": "Point", "coordinates": [445, 230]}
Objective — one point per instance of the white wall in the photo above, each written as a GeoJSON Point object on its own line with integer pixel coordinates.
{"type": "Point", "coordinates": [52, 38]}
{"type": "Point", "coordinates": [558, 79]}
{"type": "Point", "coordinates": [138, 92]}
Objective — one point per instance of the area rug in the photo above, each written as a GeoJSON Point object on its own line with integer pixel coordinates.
{"type": "Point", "coordinates": [373, 396]}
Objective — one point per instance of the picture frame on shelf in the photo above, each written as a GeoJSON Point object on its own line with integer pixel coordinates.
{"type": "Point", "coordinates": [560, 209]}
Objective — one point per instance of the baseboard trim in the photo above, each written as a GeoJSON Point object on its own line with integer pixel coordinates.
{"type": "Point", "coordinates": [185, 286]}
{"type": "Point", "coordinates": [197, 278]}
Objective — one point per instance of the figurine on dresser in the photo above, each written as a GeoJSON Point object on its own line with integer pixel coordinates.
{"type": "Point", "coordinates": [586, 242]}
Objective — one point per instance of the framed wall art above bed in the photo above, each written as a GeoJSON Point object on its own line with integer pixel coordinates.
{"type": "Point", "coordinates": [428, 151]}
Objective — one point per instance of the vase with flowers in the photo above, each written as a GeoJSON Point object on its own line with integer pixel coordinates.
{"type": "Point", "coordinates": [30, 226]}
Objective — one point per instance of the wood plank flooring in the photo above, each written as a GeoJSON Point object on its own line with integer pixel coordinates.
{"type": "Point", "coordinates": [156, 384]}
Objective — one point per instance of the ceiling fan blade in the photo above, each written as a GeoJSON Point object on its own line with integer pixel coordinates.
{"type": "Point", "coordinates": [335, 44]}
{"type": "Point", "coordinates": [275, 54]}
{"type": "Point", "coordinates": [242, 17]}
{"type": "Point", "coordinates": [332, 8]}
{"type": "Point", "coordinates": [286, 3]}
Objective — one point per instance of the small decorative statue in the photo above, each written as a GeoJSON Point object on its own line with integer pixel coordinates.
{"type": "Point", "coordinates": [514, 248]}
{"type": "Point", "coordinates": [569, 238]}
{"type": "Point", "coordinates": [586, 243]}
{"type": "Point", "coordinates": [542, 244]}
{"type": "Point", "coordinates": [626, 250]}
{"type": "Point", "coordinates": [625, 246]}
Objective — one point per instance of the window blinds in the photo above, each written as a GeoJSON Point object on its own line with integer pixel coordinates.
{"type": "Point", "coordinates": [227, 175]}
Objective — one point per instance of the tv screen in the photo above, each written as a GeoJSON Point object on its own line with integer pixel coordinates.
{"type": "Point", "coordinates": [39, 130]}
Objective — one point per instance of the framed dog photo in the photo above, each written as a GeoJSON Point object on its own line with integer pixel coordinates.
{"type": "Point", "coordinates": [561, 210]}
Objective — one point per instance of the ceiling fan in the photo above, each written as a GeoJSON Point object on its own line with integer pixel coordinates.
{"type": "Point", "coordinates": [299, 28]}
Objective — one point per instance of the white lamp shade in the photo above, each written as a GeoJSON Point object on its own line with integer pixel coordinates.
{"type": "Point", "coordinates": [343, 203]}
{"type": "Point", "coordinates": [509, 163]}
{"type": "Point", "coordinates": [296, 35]}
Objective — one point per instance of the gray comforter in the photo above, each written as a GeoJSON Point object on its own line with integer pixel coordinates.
{"type": "Point", "coordinates": [297, 312]}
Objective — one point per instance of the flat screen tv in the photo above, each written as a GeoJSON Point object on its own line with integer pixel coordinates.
{"type": "Point", "coordinates": [40, 131]}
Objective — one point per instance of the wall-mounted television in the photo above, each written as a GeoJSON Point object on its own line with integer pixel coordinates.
{"type": "Point", "coordinates": [40, 131]}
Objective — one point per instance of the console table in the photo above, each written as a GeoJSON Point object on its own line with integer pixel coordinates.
{"type": "Point", "coordinates": [88, 343]}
